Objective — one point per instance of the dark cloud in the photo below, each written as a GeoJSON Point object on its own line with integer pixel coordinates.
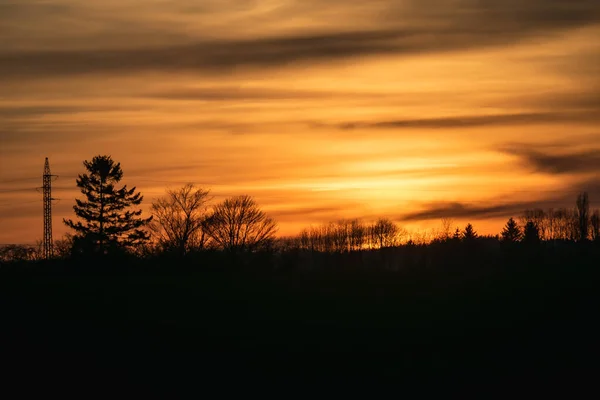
{"type": "Point", "coordinates": [38, 111]}
{"type": "Point", "coordinates": [471, 121]}
{"type": "Point", "coordinates": [573, 162]}
{"type": "Point", "coordinates": [206, 56]}
{"type": "Point", "coordinates": [559, 101]}
{"type": "Point", "coordinates": [438, 26]}
{"type": "Point", "coordinates": [441, 210]}
{"type": "Point", "coordinates": [509, 206]}
{"type": "Point", "coordinates": [11, 11]}
{"type": "Point", "coordinates": [240, 93]}
{"type": "Point", "coordinates": [307, 212]}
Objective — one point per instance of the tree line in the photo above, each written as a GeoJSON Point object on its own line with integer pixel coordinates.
{"type": "Point", "coordinates": [109, 220]}
{"type": "Point", "coordinates": [186, 220]}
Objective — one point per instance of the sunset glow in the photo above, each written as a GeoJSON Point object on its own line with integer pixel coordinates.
{"type": "Point", "coordinates": [414, 110]}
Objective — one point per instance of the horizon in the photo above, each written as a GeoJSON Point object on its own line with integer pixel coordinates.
{"type": "Point", "coordinates": [411, 110]}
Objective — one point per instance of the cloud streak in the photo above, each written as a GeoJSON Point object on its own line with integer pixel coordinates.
{"type": "Point", "coordinates": [473, 121]}
{"type": "Point", "coordinates": [466, 25]}
{"type": "Point", "coordinates": [574, 162]}
{"type": "Point", "coordinates": [503, 208]}
{"type": "Point", "coordinates": [439, 210]}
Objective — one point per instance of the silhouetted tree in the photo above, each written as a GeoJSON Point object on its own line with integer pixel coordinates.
{"type": "Point", "coordinates": [538, 217]}
{"type": "Point", "coordinates": [583, 215]}
{"type": "Point", "coordinates": [446, 229]}
{"type": "Point", "coordinates": [179, 217]}
{"type": "Point", "coordinates": [456, 235]}
{"type": "Point", "coordinates": [469, 233]}
{"type": "Point", "coordinates": [384, 233]}
{"type": "Point", "coordinates": [358, 235]}
{"type": "Point", "coordinates": [63, 246]}
{"type": "Point", "coordinates": [107, 220]}
{"type": "Point", "coordinates": [341, 236]}
{"type": "Point", "coordinates": [511, 231]}
{"type": "Point", "coordinates": [595, 222]}
{"type": "Point", "coordinates": [565, 224]}
{"type": "Point", "coordinates": [531, 233]}
{"type": "Point", "coordinates": [17, 252]}
{"type": "Point", "coordinates": [304, 240]}
{"type": "Point", "coordinates": [238, 224]}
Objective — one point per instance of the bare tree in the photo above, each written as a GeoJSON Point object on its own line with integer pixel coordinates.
{"type": "Point", "coordinates": [446, 228]}
{"type": "Point", "coordinates": [595, 222]}
{"type": "Point", "coordinates": [341, 235]}
{"type": "Point", "coordinates": [564, 224]}
{"type": "Point", "coordinates": [63, 246]}
{"type": "Point", "coordinates": [538, 217]}
{"type": "Point", "coordinates": [304, 240]}
{"type": "Point", "coordinates": [238, 224]}
{"type": "Point", "coordinates": [327, 236]}
{"type": "Point", "coordinates": [384, 233]}
{"type": "Point", "coordinates": [358, 235]}
{"type": "Point", "coordinates": [178, 219]}
{"type": "Point", "coordinates": [551, 224]}
{"type": "Point", "coordinates": [17, 252]}
{"type": "Point", "coordinates": [583, 215]}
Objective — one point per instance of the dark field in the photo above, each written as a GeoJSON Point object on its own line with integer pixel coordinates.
{"type": "Point", "coordinates": [452, 313]}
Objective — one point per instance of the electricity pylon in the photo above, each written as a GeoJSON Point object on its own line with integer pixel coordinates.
{"type": "Point", "coordinates": [47, 250]}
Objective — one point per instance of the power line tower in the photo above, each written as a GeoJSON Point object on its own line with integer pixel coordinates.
{"type": "Point", "coordinates": [47, 250]}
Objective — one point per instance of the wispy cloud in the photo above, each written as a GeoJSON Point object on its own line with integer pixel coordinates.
{"type": "Point", "coordinates": [440, 27]}
{"type": "Point", "coordinates": [439, 210]}
{"type": "Point", "coordinates": [472, 121]}
{"type": "Point", "coordinates": [572, 162]}
{"type": "Point", "coordinates": [507, 206]}
{"type": "Point", "coordinates": [224, 92]}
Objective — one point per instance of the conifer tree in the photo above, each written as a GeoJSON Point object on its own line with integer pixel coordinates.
{"type": "Point", "coordinates": [531, 233]}
{"type": "Point", "coordinates": [456, 235]}
{"type": "Point", "coordinates": [105, 219]}
{"type": "Point", "coordinates": [511, 231]}
{"type": "Point", "coordinates": [469, 233]}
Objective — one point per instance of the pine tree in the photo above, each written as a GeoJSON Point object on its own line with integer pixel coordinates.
{"type": "Point", "coordinates": [107, 221]}
{"type": "Point", "coordinates": [511, 231]}
{"type": "Point", "coordinates": [469, 233]}
{"type": "Point", "coordinates": [456, 235]}
{"type": "Point", "coordinates": [531, 233]}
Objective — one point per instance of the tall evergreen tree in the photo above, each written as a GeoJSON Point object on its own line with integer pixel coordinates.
{"type": "Point", "coordinates": [456, 235]}
{"type": "Point", "coordinates": [511, 231]}
{"type": "Point", "coordinates": [469, 233]}
{"type": "Point", "coordinates": [531, 233]}
{"type": "Point", "coordinates": [105, 218]}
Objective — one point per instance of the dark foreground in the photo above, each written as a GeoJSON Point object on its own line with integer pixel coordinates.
{"type": "Point", "coordinates": [525, 315]}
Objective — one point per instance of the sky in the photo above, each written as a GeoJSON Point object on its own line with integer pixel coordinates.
{"type": "Point", "coordinates": [415, 110]}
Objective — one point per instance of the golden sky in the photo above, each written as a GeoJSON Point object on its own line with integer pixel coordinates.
{"type": "Point", "coordinates": [410, 109]}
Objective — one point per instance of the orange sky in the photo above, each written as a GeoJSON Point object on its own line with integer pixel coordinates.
{"type": "Point", "coordinates": [415, 109]}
